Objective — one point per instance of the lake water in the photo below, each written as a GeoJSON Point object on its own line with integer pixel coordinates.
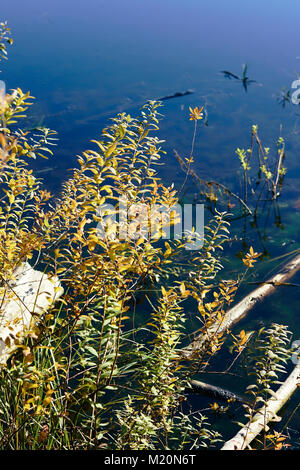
{"type": "Point", "coordinates": [86, 61]}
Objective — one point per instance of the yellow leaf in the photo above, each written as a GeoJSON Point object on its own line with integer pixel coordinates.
{"type": "Point", "coordinates": [182, 288]}
{"type": "Point", "coordinates": [168, 250]}
{"type": "Point", "coordinates": [140, 241]}
{"type": "Point", "coordinates": [100, 160]}
{"type": "Point", "coordinates": [11, 198]}
{"type": "Point", "coordinates": [47, 401]}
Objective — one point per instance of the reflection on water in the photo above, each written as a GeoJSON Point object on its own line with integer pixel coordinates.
{"type": "Point", "coordinates": [244, 79]}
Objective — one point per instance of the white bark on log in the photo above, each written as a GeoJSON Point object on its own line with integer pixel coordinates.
{"type": "Point", "coordinates": [23, 299]}
{"type": "Point", "coordinates": [240, 310]}
{"type": "Point", "coordinates": [266, 414]}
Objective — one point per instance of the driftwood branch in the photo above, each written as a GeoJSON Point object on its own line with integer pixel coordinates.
{"type": "Point", "coordinates": [195, 386]}
{"type": "Point", "coordinates": [266, 414]}
{"type": "Point", "coordinates": [240, 310]}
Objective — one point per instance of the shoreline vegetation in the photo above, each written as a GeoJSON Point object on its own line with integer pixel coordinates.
{"type": "Point", "coordinates": [95, 337]}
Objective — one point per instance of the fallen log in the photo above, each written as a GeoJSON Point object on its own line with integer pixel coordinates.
{"type": "Point", "coordinates": [238, 312]}
{"type": "Point", "coordinates": [265, 414]}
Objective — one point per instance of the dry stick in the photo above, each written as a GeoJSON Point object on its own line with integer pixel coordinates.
{"type": "Point", "coordinates": [240, 310]}
{"type": "Point", "coordinates": [190, 159]}
{"type": "Point", "coordinates": [280, 160]}
{"type": "Point", "coordinates": [266, 414]}
{"type": "Point", "coordinates": [220, 186]}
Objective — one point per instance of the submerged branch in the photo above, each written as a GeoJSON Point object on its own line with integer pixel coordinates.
{"type": "Point", "coordinates": [195, 386]}
{"type": "Point", "coordinates": [209, 184]}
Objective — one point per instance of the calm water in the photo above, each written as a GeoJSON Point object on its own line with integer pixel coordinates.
{"type": "Point", "coordinates": [86, 61]}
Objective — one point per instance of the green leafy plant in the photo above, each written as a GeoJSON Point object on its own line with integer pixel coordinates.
{"type": "Point", "coordinates": [270, 174]}
{"type": "Point", "coordinates": [270, 354]}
